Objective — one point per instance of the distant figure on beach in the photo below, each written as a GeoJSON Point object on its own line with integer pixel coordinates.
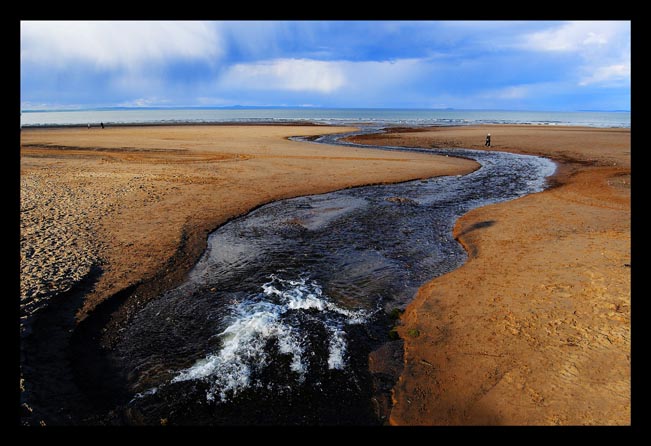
{"type": "Point", "coordinates": [488, 140]}
{"type": "Point", "coordinates": [102, 124]}
{"type": "Point", "coordinates": [89, 126]}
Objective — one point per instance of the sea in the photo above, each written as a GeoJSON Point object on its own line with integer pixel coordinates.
{"type": "Point", "coordinates": [324, 116]}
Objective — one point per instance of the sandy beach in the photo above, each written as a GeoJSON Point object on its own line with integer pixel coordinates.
{"type": "Point", "coordinates": [535, 328]}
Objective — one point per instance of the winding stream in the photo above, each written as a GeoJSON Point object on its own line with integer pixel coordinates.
{"type": "Point", "coordinates": [276, 322]}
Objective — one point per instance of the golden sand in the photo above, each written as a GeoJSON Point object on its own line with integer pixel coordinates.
{"type": "Point", "coordinates": [535, 329]}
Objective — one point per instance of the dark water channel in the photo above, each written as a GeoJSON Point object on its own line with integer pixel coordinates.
{"type": "Point", "coordinates": [276, 321]}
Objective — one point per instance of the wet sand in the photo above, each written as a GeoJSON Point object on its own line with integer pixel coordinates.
{"type": "Point", "coordinates": [130, 206]}
{"type": "Point", "coordinates": [535, 328]}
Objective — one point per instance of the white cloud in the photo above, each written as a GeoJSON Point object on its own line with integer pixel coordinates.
{"type": "Point", "coordinates": [578, 36]}
{"type": "Point", "coordinates": [602, 49]}
{"type": "Point", "coordinates": [310, 75]}
{"type": "Point", "coordinates": [609, 74]}
{"type": "Point", "coordinates": [117, 44]}
{"type": "Point", "coordinates": [286, 74]}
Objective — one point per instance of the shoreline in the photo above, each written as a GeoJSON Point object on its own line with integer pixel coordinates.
{"type": "Point", "coordinates": [388, 127]}
{"type": "Point", "coordinates": [534, 329]}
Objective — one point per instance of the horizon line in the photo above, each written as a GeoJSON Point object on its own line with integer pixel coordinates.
{"type": "Point", "coordinates": [227, 107]}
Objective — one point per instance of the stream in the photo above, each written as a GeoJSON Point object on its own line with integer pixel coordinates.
{"type": "Point", "coordinates": [276, 322]}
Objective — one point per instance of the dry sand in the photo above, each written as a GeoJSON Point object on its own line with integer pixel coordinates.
{"type": "Point", "coordinates": [136, 203]}
{"type": "Point", "coordinates": [535, 328]}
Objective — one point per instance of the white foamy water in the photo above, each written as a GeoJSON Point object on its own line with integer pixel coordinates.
{"type": "Point", "coordinates": [277, 314]}
{"type": "Point", "coordinates": [337, 348]}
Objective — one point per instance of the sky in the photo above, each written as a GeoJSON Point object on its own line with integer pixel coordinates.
{"type": "Point", "coordinates": [512, 65]}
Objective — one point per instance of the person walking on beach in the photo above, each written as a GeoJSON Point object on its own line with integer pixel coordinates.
{"type": "Point", "coordinates": [488, 140]}
{"type": "Point", "coordinates": [102, 124]}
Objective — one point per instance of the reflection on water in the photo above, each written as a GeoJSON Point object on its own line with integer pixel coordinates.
{"type": "Point", "coordinates": [276, 321]}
